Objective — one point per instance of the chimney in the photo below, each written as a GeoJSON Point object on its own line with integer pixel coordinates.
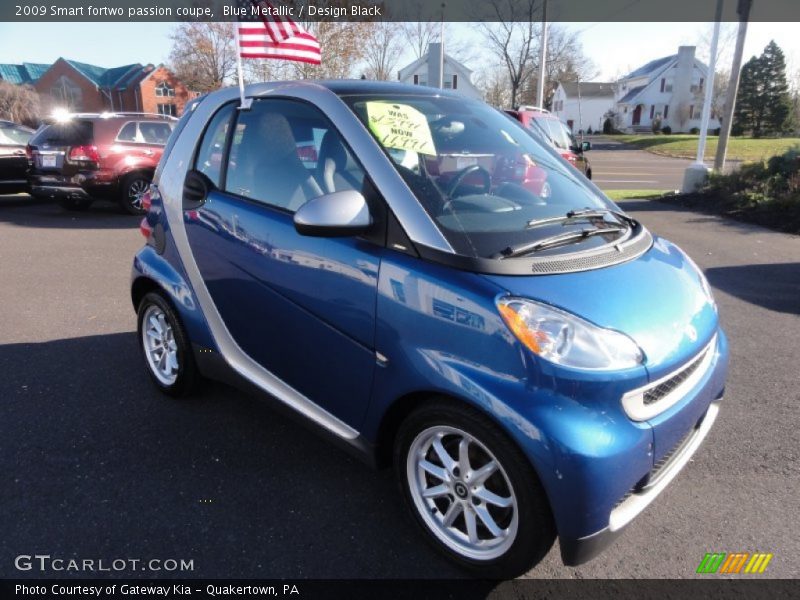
{"type": "Point", "coordinates": [434, 63]}
{"type": "Point", "coordinates": [682, 83]}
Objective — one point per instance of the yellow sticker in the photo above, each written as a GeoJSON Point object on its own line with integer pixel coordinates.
{"type": "Point", "coordinates": [401, 127]}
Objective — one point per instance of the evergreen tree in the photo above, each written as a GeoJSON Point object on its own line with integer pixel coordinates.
{"type": "Point", "coordinates": [763, 104]}
{"type": "Point", "coordinates": [777, 99]}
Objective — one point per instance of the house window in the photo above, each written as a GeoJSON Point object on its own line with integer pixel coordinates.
{"type": "Point", "coordinates": [701, 84]}
{"type": "Point", "coordinates": [168, 109]}
{"type": "Point", "coordinates": [668, 87]}
{"type": "Point", "coordinates": [691, 111]}
{"type": "Point", "coordinates": [666, 110]}
{"type": "Point", "coordinates": [652, 110]}
{"type": "Point", "coordinates": [663, 84]}
{"type": "Point", "coordinates": [416, 79]}
{"type": "Point", "coordinates": [67, 93]}
{"type": "Point", "coordinates": [455, 82]}
{"type": "Point", "coordinates": [164, 90]}
{"type": "Point", "coordinates": [448, 85]}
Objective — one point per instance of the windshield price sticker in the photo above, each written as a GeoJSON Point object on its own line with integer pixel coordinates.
{"type": "Point", "coordinates": [401, 127]}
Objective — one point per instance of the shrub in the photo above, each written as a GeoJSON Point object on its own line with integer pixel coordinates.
{"type": "Point", "coordinates": [589, 131]}
{"type": "Point", "coordinates": [666, 130]}
{"type": "Point", "coordinates": [715, 131]}
{"type": "Point", "coordinates": [694, 130]}
{"type": "Point", "coordinates": [608, 126]}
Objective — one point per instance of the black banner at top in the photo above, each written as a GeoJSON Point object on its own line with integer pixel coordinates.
{"type": "Point", "coordinates": [400, 10]}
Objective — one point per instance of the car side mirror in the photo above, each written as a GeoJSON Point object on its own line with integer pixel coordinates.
{"type": "Point", "coordinates": [339, 214]}
{"type": "Point", "coordinates": [586, 146]}
{"type": "Point", "coordinates": [196, 187]}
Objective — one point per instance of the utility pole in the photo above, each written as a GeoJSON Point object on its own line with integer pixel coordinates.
{"type": "Point", "coordinates": [730, 100]}
{"type": "Point", "coordinates": [697, 173]}
{"type": "Point", "coordinates": [542, 59]}
{"type": "Point", "coordinates": [441, 56]}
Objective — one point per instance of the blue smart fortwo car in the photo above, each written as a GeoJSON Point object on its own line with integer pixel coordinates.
{"type": "Point", "coordinates": [414, 275]}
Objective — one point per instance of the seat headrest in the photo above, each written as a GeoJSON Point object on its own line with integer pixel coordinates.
{"type": "Point", "coordinates": [274, 135]}
{"type": "Point", "coordinates": [333, 149]}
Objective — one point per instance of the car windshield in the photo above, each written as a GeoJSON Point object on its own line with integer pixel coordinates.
{"type": "Point", "coordinates": [554, 130]}
{"type": "Point", "coordinates": [11, 135]}
{"type": "Point", "coordinates": [491, 188]}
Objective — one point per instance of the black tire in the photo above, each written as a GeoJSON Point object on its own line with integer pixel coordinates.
{"type": "Point", "coordinates": [535, 529]}
{"type": "Point", "coordinates": [589, 174]}
{"type": "Point", "coordinates": [186, 375]}
{"type": "Point", "coordinates": [131, 190]}
{"type": "Point", "coordinates": [75, 204]}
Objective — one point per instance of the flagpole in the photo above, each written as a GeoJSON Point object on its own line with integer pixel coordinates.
{"type": "Point", "coordinates": [244, 103]}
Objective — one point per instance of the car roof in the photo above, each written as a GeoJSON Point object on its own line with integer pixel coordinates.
{"type": "Point", "coordinates": [347, 87]}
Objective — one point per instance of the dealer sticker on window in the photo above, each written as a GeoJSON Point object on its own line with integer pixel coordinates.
{"type": "Point", "coordinates": [401, 127]}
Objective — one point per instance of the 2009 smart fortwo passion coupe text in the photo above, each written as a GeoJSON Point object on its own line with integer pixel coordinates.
{"type": "Point", "coordinates": [382, 261]}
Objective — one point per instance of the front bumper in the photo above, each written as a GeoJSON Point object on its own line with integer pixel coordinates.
{"type": "Point", "coordinates": [581, 550]}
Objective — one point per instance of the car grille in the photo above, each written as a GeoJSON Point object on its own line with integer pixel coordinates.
{"type": "Point", "coordinates": [652, 477]}
{"type": "Point", "coordinates": [666, 387]}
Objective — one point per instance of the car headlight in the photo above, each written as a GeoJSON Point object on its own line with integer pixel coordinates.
{"type": "Point", "coordinates": [565, 339]}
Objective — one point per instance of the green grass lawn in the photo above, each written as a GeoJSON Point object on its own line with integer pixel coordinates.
{"type": "Point", "coordinates": [618, 195]}
{"type": "Point", "coordinates": [685, 146]}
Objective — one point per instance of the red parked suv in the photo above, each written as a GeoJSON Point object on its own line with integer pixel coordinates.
{"type": "Point", "coordinates": [78, 158]}
{"type": "Point", "coordinates": [549, 127]}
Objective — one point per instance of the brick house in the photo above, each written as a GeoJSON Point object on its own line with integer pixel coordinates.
{"type": "Point", "coordinates": [81, 87]}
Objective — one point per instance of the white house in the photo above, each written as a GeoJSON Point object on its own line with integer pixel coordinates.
{"type": "Point", "coordinates": [425, 71]}
{"type": "Point", "coordinates": [670, 88]}
{"type": "Point", "coordinates": [583, 104]}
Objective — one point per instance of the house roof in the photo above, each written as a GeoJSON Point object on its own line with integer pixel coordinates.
{"type": "Point", "coordinates": [102, 77]}
{"type": "Point", "coordinates": [22, 73]}
{"type": "Point", "coordinates": [413, 66]}
{"type": "Point", "coordinates": [588, 89]}
{"type": "Point", "coordinates": [631, 94]}
{"type": "Point", "coordinates": [653, 65]}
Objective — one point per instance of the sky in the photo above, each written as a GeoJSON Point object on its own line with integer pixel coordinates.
{"type": "Point", "coordinates": [614, 48]}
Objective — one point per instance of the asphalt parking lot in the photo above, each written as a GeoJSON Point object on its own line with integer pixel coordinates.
{"type": "Point", "coordinates": [96, 464]}
{"type": "Point", "coordinates": [617, 166]}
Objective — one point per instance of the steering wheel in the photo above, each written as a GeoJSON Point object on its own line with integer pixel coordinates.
{"type": "Point", "coordinates": [459, 179]}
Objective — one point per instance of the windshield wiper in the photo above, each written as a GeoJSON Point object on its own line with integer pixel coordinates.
{"type": "Point", "coordinates": [556, 240]}
{"type": "Point", "coordinates": [585, 213]}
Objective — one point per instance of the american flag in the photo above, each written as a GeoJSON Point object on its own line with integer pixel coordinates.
{"type": "Point", "coordinates": [274, 36]}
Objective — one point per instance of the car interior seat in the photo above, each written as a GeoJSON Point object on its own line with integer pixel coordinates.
{"type": "Point", "coordinates": [269, 169]}
{"type": "Point", "coordinates": [336, 168]}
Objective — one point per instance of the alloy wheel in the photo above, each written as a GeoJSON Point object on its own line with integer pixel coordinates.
{"type": "Point", "coordinates": [136, 191]}
{"type": "Point", "coordinates": [462, 493]}
{"type": "Point", "coordinates": [160, 347]}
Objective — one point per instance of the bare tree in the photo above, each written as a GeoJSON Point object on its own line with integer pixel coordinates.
{"type": "Point", "coordinates": [512, 38]}
{"type": "Point", "coordinates": [565, 62]}
{"type": "Point", "coordinates": [420, 34]}
{"type": "Point", "coordinates": [19, 103]}
{"type": "Point", "coordinates": [493, 85]}
{"type": "Point", "coordinates": [343, 49]}
{"type": "Point", "coordinates": [383, 49]}
{"type": "Point", "coordinates": [203, 55]}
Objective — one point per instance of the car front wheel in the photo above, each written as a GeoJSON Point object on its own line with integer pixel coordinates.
{"type": "Point", "coordinates": [472, 491]}
{"type": "Point", "coordinates": [133, 190]}
{"type": "Point", "coordinates": [165, 346]}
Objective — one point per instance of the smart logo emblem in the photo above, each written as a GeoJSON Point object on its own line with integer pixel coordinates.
{"type": "Point", "coordinates": [722, 563]}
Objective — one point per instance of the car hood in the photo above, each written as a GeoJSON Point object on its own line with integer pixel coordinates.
{"type": "Point", "coordinates": [659, 300]}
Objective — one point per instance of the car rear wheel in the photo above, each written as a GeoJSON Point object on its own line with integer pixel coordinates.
{"type": "Point", "coordinates": [165, 346]}
{"type": "Point", "coordinates": [472, 491]}
{"type": "Point", "coordinates": [132, 192]}
{"type": "Point", "coordinates": [76, 204]}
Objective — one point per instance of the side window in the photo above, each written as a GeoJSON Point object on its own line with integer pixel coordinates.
{"type": "Point", "coordinates": [212, 146]}
{"type": "Point", "coordinates": [285, 153]}
{"type": "Point", "coordinates": [155, 133]}
{"type": "Point", "coordinates": [127, 133]}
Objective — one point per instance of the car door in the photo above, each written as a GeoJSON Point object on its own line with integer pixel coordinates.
{"type": "Point", "coordinates": [153, 136]}
{"type": "Point", "coordinates": [302, 307]}
{"type": "Point", "coordinates": [13, 161]}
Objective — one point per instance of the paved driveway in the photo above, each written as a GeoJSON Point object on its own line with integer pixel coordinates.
{"type": "Point", "coordinates": [96, 464]}
{"type": "Point", "coordinates": [617, 166]}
